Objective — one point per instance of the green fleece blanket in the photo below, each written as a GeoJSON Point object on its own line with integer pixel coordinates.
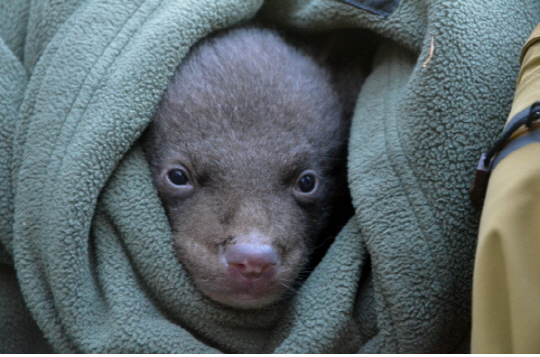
{"type": "Point", "coordinates": [83, 228]}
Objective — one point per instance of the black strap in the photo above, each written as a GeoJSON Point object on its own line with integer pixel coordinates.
{"type": "Point", "coordinates": [488, 161]}
{"type": "Point", "coordinates": [526, 117]}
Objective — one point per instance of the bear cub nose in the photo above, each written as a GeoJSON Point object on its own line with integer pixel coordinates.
{"type": "Point", "coordinates": [252, 261]}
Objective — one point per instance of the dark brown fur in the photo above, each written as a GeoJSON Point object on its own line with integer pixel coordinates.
{"type": "Point", "coordinates": [245, 116]}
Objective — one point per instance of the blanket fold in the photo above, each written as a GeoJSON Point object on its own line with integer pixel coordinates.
{"type": "Point", "coordinates": [89, 240]}
{"type": "Point", "coordinates": [13, 80]}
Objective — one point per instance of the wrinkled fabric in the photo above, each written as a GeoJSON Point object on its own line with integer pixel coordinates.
{"type": "Point", "coordinates": [506, 291]}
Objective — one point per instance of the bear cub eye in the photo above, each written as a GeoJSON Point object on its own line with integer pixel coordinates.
{"type": "Point", "coordinates": [178, 177]}
{"type": "Point", "coordinates": [307, 184]}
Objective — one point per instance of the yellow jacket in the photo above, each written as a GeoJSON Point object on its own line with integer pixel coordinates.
{"type": "Point", "coordinates": [506, 288]}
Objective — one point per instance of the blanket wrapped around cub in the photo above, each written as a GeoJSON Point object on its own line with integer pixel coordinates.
{"type": "Point", "coordinates": [86, 256]}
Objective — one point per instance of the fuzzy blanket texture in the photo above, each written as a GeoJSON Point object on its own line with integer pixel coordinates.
{"type": "Point", "coordinates": [86, 256]}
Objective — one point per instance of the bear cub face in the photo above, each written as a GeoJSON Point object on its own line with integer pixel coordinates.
{"type": "Point", "coordinates": [247, 154]}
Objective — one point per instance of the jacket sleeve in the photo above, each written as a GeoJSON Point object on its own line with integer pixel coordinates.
{"type": "Point", "coordinates": [506, 288]}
